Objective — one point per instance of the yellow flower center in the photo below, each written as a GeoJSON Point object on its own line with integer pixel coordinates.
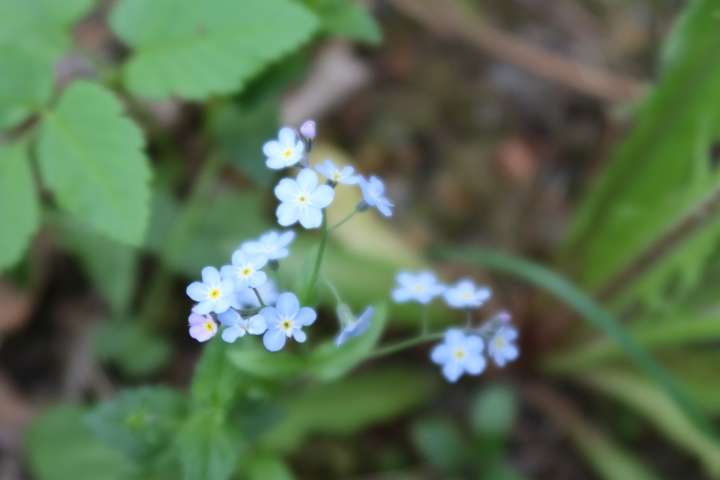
{"type": "Point", "coordinates": [287, 153]}
{"type": "Point", "coordinates": [459, 353]}
{"type": "Point", "coordinates": [209, 326]}
{"type": "Point", "coordinates": [467, 295]}
{"type": "Point", "coordinates": [286, 325]}
{"type": "Point", "coordinates": [302, 199]}
{"type": "Point", "coordinates": [419, 288]}
{"type": "Point", "coordinates": [336, 176]}
{"type": "Point", "coordinates": [499, 342]}
{"type": "Point", "coordinates": [246, 272]}
{"type": "Point", "coordinates": [215, 293]}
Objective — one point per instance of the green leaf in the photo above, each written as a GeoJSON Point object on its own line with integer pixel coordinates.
{"type": "Point", "coordinates": [268, 467]}
{"type": "Point", "coordinates": [19, 209]}
{"type": "Point", "coordinates": [99, 255]}
{"type": "Point", "coordinates": [330, 362]}
{"type": "Point", "coordinates": [593, 313]}
{"type": "Point", "coordinates": [134, 349]}
{"type": "Point", "coordinates": [216, 381]}
{"type": "Point", "coordinates": [254, 360]}
{"type": "Point", "coordinates": [140, 422]}
{"type": "Point", "coordinates": [441, 444]}
{"type": "Point", "coordinates": [346, 406]}
{"type": "Point", "coordinates": [91, 157]}
{"type": "Point", "coordinates": [493, 410]}
{"type": "Point", "coordinates": [659, 176]}
{"type": "Point", "coordinates": [346, 18]}
{"type": "Point", "coordinates": [206, 447]}
{"type": "Point", "coordinates": [27, 65]}
{"type": "Point", "coordinates": [649, 402]}
{"type": "Point", "coordinates": [197, 49]}
{"type": "Point", "coordinates": [61, 447]}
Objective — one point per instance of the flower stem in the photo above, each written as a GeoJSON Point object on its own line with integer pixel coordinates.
{"type": "Point", "coordinates": [344, 220]}
{"type": "Point", "coordinates": [404, 344]}
{"type": "Point", "coordinates": [424, 321]}
{"type": "Point", "coordinates": [310, 291]}
{"type": "Point", "coordinates": [257, 295]}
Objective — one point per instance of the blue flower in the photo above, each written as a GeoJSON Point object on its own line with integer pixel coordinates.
{"type": "Point", "coordinates": [459, 354]}
{"type": "Point", "coordinates": [501, 346]}
{"type": "Point", "coordinates": [355, 327]}
{"type": "Point", "coordinates": [213, 294]}
{"type": "Point", "coordinates": [246, 298]}
{"type": "Point", "coordinates": [464, 294]}
{"type": "Point", "coordinates": [373, 192]}
{"type": "Point", "coordinates": [302, 200]}
{"type": "Point", "coordinates": [236, 326]}
{"type": "Point", "coordinates": [284, 152]}
{"type": "Point", "coordinates": [419, 287]}
{"type": "Point", "coordinates": [345, 175]}
{"type": "Point", "coordinates": [272, 245]}
{"type": "Point", "coordinates": [245, 270]}
{"type": "Point", "coordinates": [202, 327]}
{"type": "Point", "coordinates": [286, 320]}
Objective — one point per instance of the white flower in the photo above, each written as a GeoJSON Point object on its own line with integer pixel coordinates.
{"type": "Point", "coordinates": [458, 354]}
{"type": "Point", "coordinates": [236, 326]}
{"type": "Point", "coordinates": [245, 270]}
{"type": "Point", "coordinates": [355, 327]}
{"type": "Point", "coordinates": [373, 192]}
{"type": "Point", "coordinates": [419, 287]}
{"type": "Point", "coordinates": [346, 175]}
{"type": "Point", "coordinates": [302, 200]}
{"type": "Point", "coordinates": [284, 152]}
{"type": "Point", "coordinates": [464, 294]}
{"type": "Point", "coordinates": [213, 294]}
{"type": "Point", "coordinates": [501, 347]}
{"type": "Point", "coordinates": [272, 245]}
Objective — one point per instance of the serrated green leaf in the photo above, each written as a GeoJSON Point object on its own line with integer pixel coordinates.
{"type": "Point", "coordinates": [61, 447]}
{"type": "Point", "coordinates": [25, 84]}
{"type": "Point", "coordinates": [140, 422]}
{"type": "Point", "coordinates": [346, 18]}
{"type": "Point", "coordinates": [134, 349]}
{"type": "Point", "coordinates": [19, 209]}
{"type": "Point", "coordinates": [91, 157]}
{"type": "Point", "coordinates": [659, 175]}
{"type": "Point", "coordinates": [197, 49]}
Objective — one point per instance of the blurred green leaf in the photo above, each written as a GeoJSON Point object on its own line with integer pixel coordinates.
{"type": "Point", "coordinates": [19, 209]}
{"type": "Point", "coordinates": [215, 381]}
{"type": "Point", "coordinates": [659, 175]}
{"type": "Point", "coordinates": [493, 410]}
{"type": "Point", "coordinates": [349, 405]}
{"type": "Point", "coordinates": [61, 447]}
{"type": "Point", "coordinates": [648, 401]}
{"type": "Point", "coordinates": [91, 158]}
{"type": "Point", "coordinates": [267, 467]}
{"type": "Point", "coordinates": [134, 349]}
{"type": "Point", "coordinates": [33, 35]}
{"type": "Point", "coordinates": [206, 446]}
{"type": "Point", "coordinates": [140, 422]}
{"type": "Point", "coordinates": [441, 444]}
{"type": "Point", "coordinates": [254, 360]}
{"type": "Point", "coordinates": [329, 362]}
{"type": "Point", "coordinates": [198, 49]}
{"type": "Point", "coordinates": [346, 18]}
{"type": "Point", "coordinates": [593, 313]}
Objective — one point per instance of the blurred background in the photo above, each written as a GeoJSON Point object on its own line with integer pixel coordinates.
{"type": "Point", "coordinates": [562, 152]}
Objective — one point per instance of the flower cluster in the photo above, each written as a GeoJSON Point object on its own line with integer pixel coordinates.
{"type": "Point", "coordinates": [462, 349]}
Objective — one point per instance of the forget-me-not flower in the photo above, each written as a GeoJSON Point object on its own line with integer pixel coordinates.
{"type": "Point", "coordinates": [284, 152]}
{"type": "Point", "coordinates": [459, 354]}
{"type": "Point", "coordinates": [286, 320]}
{"type": "Point", "coordinates": [202, 327]}
{"type": "Point", "coordinates": [373, 192]}
{"type": "Point", "coordinates": [245, 270]}
{"type": "Point", "coordinates": [236, 326]}
{"type": "Point", "coordinates": [213, 294]}
{"type": "Point", "coordinates": [302, 200]}
{"type": "Point", "coordinates": [420, 287]}
{"type": "Point", "coordinates": [464, 294]}
{"type": "Point", "coordinates": [272, 245]}
{"type": "Point", "coordinates": [308, 129]}
{"type": "Point", "coordinates": [501, 346]}
{"type": "Point", "coordinates": [355, 327]}
{"type": "Point", "coordinates": [246, 298]}
{"type": "Point", "coordinates": [345, 175]}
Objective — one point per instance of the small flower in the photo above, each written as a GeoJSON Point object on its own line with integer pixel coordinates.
{"type": "Point", "coordinates": [245, 270]}
{"type": "Point", "coordinates": [501, 347]}
{"type": "Point", "coordinates": [272, 245]}
{"type": "Point", "coordinates": [213, 294]}
{"type": "Point", "coordinates": [284, 152]}
{"type": "Point", "coordinates": [246, 298]}
{"type": "Point", "coordinates": [345, 175]}
{"type": "Point", "coordinates": [202, 327]}
{"type": "Point", "coordinates": [356, 327]}
{"type": "Point", "coordinates": [464, 294]}
{"type": "Point", "coordinates": [286, 320]}
{"type": "Point", "coordinates": [302, 200]}
{"type": "Point", "coordinates": [236, 326]}
{"type": "Point", "coordinates": [458, 354]}
{"type": "Point", "coordinates": [373, 192]}
{"type": "Point", "coordinates": [308, 129]}
{"type": "Point", "coordinates": [419, 287]}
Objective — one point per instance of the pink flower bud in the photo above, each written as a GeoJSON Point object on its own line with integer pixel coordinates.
{"type": "Point", "coordinates": [308, 129]}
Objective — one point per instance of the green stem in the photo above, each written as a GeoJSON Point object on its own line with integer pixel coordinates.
{"type": "Point", "coordinates": [310, 291]}
{"type": "Point", "coordinates": [404, 344]}
{"type": "Point", "coordinates": [424, 321]}
{"type": "Point", "coordinates": [344, 220]}
{"type": "Point", "coordinates": [257, 295]}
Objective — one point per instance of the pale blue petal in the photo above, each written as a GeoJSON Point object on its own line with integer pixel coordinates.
{"type": "Point", "coordinates": [401, 295]}
{"type": "Point", "coordinates": [287, 136]}
{"type": "Point", "coordinates": [230, 334]}
{"type": "Point", "coordinates": [271, 148]}
{"type": "Point", "coordinates": [287, 190]}
{"type": "Point", "coordinates": [287, 214]}
{"type": "Point", "coordinates": [454, 336]}
{"type": "Point", "coordinates": [287, 304]}
{"type": "Point", "coordinates": [221, 305]}
{"type": "Point", "coordinates": [275, 162]}
{"type": "Point", "coordinates": [229, 318]}
{"type": "Point", "coordinates": [258, 279]}
{"type": "Point", "coordinates": [440, 354]}
{"type": "Point", "coordinates": [307, 180]}
{"type": "Point", "coordinates": [322, 196]}
{"type": "Point", "coordinates": [310, 217]}
{"type": "Point", "coordinates": [257, 325]}
{"type": "Point", "coordinates": [306, 316]}
{"type": "Point", "coordinates": [274, 340]}
{"type": "Point", "coordinates": [475, 364]}
{"type": "Point", "coordinates": [197, 291]}
{"type": "Point", "coordinates": [210, 275]}
{"type": "Point", "coordinates": [299, 336]}
{"type": "Point", "coordinates": [452, 371]}
{"type": "Point", "coordinates": [270, 314]}
{"type": "Point", "coordinates": [474, 344]}
{"type": "Point", "coordinates": [203, 308]}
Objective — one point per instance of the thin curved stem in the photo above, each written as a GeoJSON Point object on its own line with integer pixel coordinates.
{"type": "Point", "coordinates": [257, 295]}
{"type": "Point", "coordinates": [344, 220]}
{"type": "Point", "coordinates": [309, 292]}
{"type": "Point", "coordinates": [404, 344]}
